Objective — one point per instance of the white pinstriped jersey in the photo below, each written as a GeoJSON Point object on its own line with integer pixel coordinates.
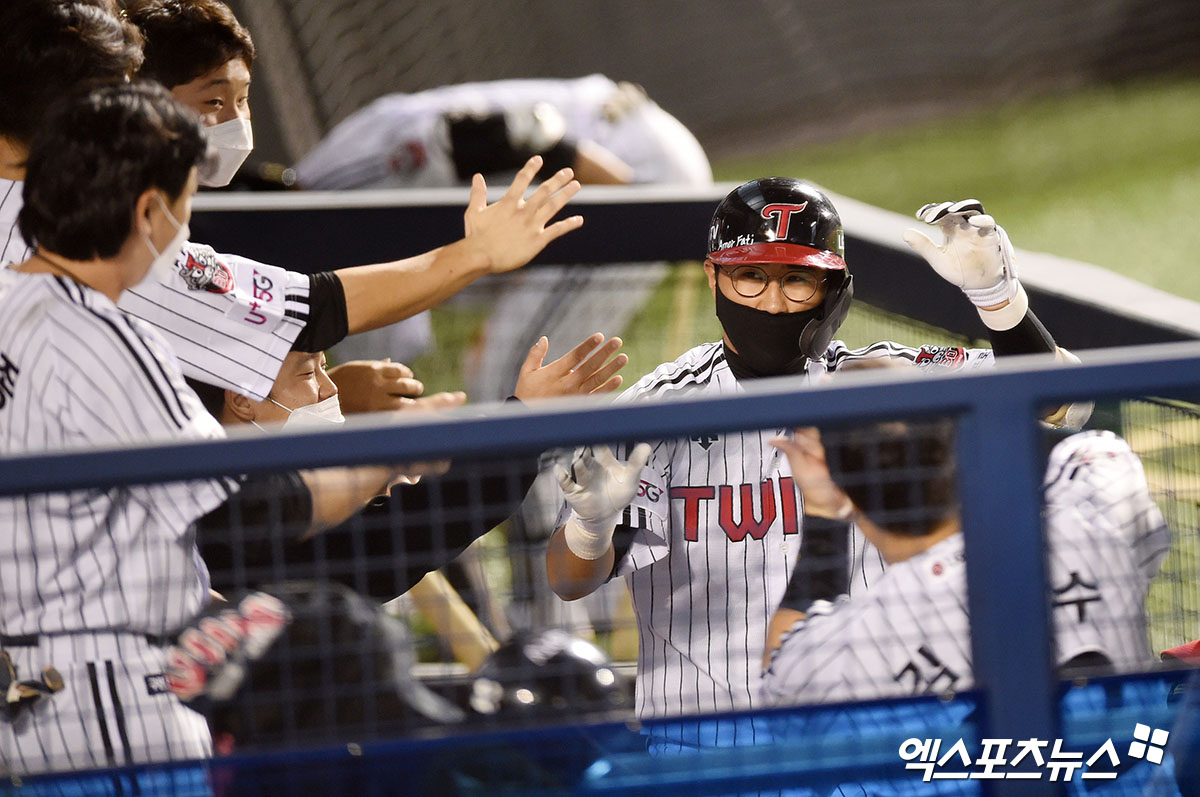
{"type": "Point", "coordinates": [909, 634]}
{"type": "Point", "coordinates": [399, 140]}
{"type": "Point", "coordinates": [718, 532]}
{"type": "Point", "coordinates": [13, 248]}
{"type": "Point", "coordinates": [229, 320]}
{"type": "Point", "coordinates": [75, 372]}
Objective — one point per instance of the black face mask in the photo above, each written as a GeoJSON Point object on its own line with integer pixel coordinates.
{"type": "Point", "coordinates": [768, 344]}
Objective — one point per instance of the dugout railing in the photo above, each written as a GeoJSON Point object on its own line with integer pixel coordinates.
{"type": "Point", "coordinates": [1084, 306]}
{"type": "Point", "coordinates": [999, 480]}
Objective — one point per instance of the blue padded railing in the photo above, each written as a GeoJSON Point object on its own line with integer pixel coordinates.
{"type": "Point", "coordinates": [999, 471]}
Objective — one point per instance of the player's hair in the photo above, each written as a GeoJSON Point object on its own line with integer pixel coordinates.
{"type": "Point", "coordinates": [98, 151]}
{"type": "Point", "coordinates": [187, 38]}
{"type": "Point", "coordinates": [211, 396]}
{"type": "Point", "coordinates": [900, 474]}
{"type": "Point", "coordinates": [51, 47]}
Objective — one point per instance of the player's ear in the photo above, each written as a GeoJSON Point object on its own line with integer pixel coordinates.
{"type": "Point", "coordinates": [142, 226]}
{"type": "Point", "coordinates": [711, 272]}
{"type": "Point", "coordinates": [239, 408]}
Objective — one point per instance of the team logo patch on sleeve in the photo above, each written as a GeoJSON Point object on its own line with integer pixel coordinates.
{"type": "Point", "coordinates": [202, 270]}
{"type": "Point", "coordinates": [951, 357]}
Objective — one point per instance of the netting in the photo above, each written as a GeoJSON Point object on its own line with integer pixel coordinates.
{"type": "Point", "coordinates": [722, 531]}
{"type": "Point", "coordinates": [737, 74]}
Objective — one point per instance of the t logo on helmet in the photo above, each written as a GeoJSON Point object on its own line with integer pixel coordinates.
{"type": "Point", "coordinates": [783, 216]}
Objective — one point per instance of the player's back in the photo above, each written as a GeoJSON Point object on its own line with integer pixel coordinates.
{"type": "Point", "coordinates": [75, 373]}
{"type": "Point", "coordinates": [1107, 539]}
{"type": "Point", "coordinates": [907, 635]}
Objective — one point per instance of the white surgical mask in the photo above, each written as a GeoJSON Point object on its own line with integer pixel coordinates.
{"type": "Point", "coordinates": [320, 414]}
{"type": "Point", "coordinates": [164, 262]}
{"type": "Point", "coordinates": [232, 143]}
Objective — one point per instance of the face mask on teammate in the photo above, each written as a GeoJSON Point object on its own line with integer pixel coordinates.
{"type": "Point", "coordinates": [320, 414]}
{"type": "Point", "coordinates": [230, 143]}
{"type": "Point", "coordinates": [164, 261]}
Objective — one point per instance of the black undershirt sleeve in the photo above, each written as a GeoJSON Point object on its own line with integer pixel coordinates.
{"type": "Point", "coordinates": [240, 539]}
{"type": "Point", "coordinates": [822, 570]}
{"type": "Point", "coordinates": [327, 320]}
{"type": "Point", "coordinates": [1027, 337]}
{"type": "Point", "coordinates": [396, 539]}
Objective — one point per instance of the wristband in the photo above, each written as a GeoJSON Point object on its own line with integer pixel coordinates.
{"type": "Point", "coordinates": [589, 539]}
{"type": "Point", "coordinates": [1008, 316]}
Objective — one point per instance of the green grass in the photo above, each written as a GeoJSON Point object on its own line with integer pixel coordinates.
{"type": "Point", "coordinates": [1108, 175]}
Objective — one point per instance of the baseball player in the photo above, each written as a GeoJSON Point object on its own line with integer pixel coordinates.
{"type": "Point", "coordinates": [909, 634]}
{"type": "Point", "coordinates": [49, 47]}
{"type": "Point", "coordinates": [93, 581]}
{"type": "Point", "coordinates": [439, 516]}
{"type": "Point", "coordinates": [707, 533]}
{"type": "Point", "coordinates": [231, 321]}
{"type": "Point", "coordinates": [607, 132]}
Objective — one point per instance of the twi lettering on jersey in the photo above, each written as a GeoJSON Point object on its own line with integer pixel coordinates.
{"type": "Point", "coordinates": [736, 514]}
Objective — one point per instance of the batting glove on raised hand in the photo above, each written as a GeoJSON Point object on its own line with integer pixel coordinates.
{"type": "Point", "coordinates": [976, 256]}
{"type": "Point", "coordinates": [598, 487]}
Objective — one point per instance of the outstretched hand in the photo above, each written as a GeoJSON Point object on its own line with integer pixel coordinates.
{"type": "Point", "coordinates": [598, 486]}
{"type": "Point", "coordinates": [810, 472]}
{"type": "Point", "coordinates": [374, 385]}
{"type": "Point", "coordinates": [511, 231]}
{"type": "Point", "coordinates": [575, 373]}
{"type": "Point", "coordinates": [977, 256]}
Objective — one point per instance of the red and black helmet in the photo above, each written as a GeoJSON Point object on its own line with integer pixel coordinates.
{"type": "Point", "coordinates": [777, 220]}
{"type": "Point", "coordinates": [785, 220]}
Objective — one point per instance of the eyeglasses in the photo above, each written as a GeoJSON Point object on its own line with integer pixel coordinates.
{"type": "Point", "coordinates": [799, 285]}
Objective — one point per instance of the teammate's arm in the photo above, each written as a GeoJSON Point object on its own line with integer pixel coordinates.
{"type": "Point", "coordinates": [977, 257]}
{"type": "Point", "coordinates": [821, 570]}
{"type": "Point", "coordinates": [501, 141]}
{"type": "Point", "coordinates": [300, 503]}
{"type": "Point", "coordinates": [500, 237]}
{"type": "Point", "coordinates": [597, 487]}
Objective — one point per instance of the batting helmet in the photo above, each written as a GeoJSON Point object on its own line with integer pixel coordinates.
{"type": "Point", "coordinates": [536, 674]}
{"type": "Point", "coordinates": [785, 220]}
{"type": "Point", "coordinates": [339, 653]}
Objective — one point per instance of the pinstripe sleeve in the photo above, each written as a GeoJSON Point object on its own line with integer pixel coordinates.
{"type": "Point", "coordinates": [228, 319]}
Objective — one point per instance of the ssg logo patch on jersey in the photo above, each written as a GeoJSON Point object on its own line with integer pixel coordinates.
{"type": "Point", "coordinates": [203, 271]}
{"type": "Point", "coordinates": [951, 357]}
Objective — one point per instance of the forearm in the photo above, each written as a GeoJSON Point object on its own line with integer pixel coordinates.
{"type": "Point", "coordinates": [384, 293]}
{"type": "Point", "coordinates": [572, 577]}
{"type": "Point", "coordinates": [781, 622]}
{"type": "Point", "coordinates": [1023, 334]}
{"type": "Point", "coordinates": [337, 493]}
{"type": "Point", "coordinates": [595, 165]}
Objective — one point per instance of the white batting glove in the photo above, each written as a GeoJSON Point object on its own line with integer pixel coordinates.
{"type": "Point", "coordinates": [977, 255]}
{"type": "Point", "coordinates": [598, 488]}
